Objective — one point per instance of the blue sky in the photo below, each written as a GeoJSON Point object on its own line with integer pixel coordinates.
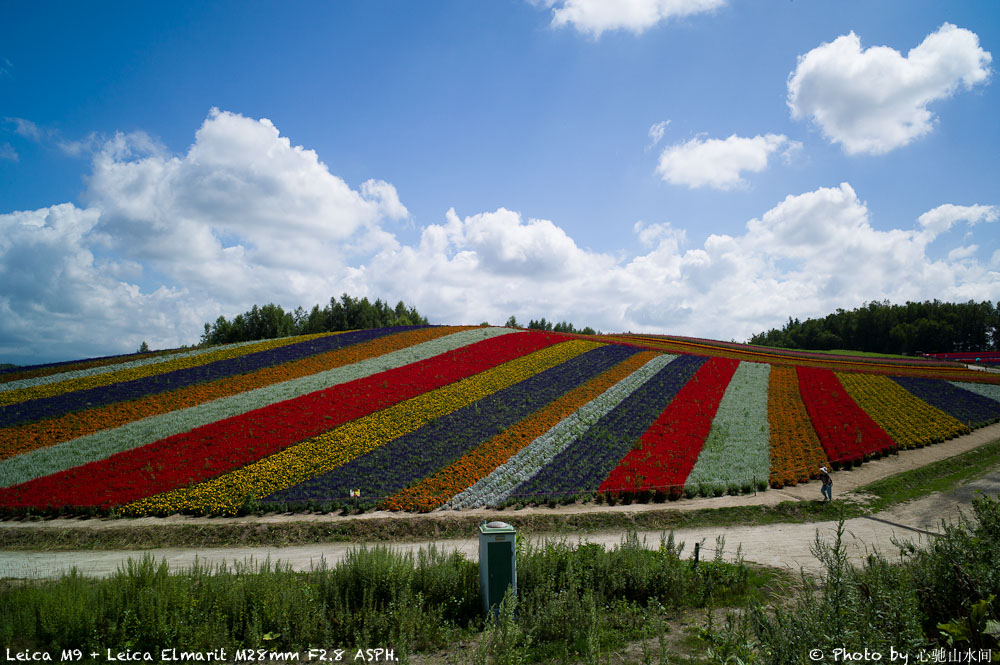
{"type": "Point", "coordinates": [698, 167]}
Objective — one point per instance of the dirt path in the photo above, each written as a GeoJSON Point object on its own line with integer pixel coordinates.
{"type": "Point", "coordinates": [781, 545]}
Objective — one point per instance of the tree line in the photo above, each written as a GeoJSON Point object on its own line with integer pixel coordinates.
{"type": "Point", "coordinates": [561, 327]}
{"type": "Point", "coordinates": [271, 321]}
{"type": "Point", "coordinates": [880, 327]}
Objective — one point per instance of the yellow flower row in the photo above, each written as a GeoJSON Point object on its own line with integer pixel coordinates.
{"type": "Point", "coordinates": [910, 421]}
{"type": "Point", "coordinates": [227, 493]}
{"type": "Point", "coordinates": [97, 380]}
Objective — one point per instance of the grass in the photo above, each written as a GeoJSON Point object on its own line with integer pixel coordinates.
{"type": "Point", "coordinates": [575, 602]}
{"type": "Point", "coordinates": [941, 476]}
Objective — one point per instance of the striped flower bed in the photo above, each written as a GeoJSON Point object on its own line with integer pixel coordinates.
{"type": "Point", "coordinates": [668, 449]}
{"type": "Point", "coordinates": [24, 438]}
{"type": "Point", "coordinates": [427, 417]}
{"type": "Point", "coordinates": [48, 407]}
{"type": "Point", "coordinates": [117, 375]}
{"type": "Point", "coordinates": [14, 374]}
{"type": "Point", "coordinates": [234, 442]}
{"type": "Point", "coordinates": [583, 466]}
{"type": "Point", "coordinates": [970, 408]}
{"type": "Point", "coordinates": [501, 484]}
{"type": "Point", "coordinates": [227, 493]}
{"type": "Point", "coordinates": [796, 453]}
{"type": "Point", "coordinates": [404, 461]}
{"type": "Point", "coordinates": [479, 463]}
{"type": "Point", "coordinates": [848, 434]}
{"type": "Point", "coordinates": [127, 362]}
{"type": "Point", "coordinates": [104, 444]}
{"type": "Point", "coordinates": [986, 390]}
{"type": "Point", "coordinates": [736, 454]}
{"type": "Point", "coordinates": [910, 422]}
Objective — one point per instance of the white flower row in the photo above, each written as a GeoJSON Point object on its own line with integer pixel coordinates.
{"type": "Point", "coordinates": [985, 389]}
{"type": "Point", "coordinates": [101, 445]}
{"type": "Point", "coordinates": [497, 486]}
{"type": "Point", "coordinates": [737, 449]}
{"type": "Point", "coordinates": [105, 369]}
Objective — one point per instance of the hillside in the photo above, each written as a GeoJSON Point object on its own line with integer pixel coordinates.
{"type": "Point", "coordinates": [423, 417]}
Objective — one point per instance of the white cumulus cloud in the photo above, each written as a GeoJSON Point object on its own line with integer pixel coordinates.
{"type": "Point", "coordinates": [167, 242]}
{"type": "Point", "coordinates": [718, 163]}
{"type": "Point", "coordinates": [594, 17]}
{"type": "Point", "coordinates": [876, 99]}
{"type": "Point", "coordinates": [244, 209]}
{"type": "Point", "coordinates": [60, 298]}
{"type": "Point", "coordinates": [808, 255]}
{"type": "Point", "coordinates": [943, 217]}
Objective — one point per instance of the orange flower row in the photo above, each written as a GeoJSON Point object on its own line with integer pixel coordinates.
{"type": "Point", "coordinates": [796, 453]}
{"type": "Point", "coordinates": [24, 438]}
{"type": "Point", "coordinates": [435, 490]}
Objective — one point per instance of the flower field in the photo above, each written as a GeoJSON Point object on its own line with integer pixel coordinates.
{"type": "Point", "coordinates": [449, 417]}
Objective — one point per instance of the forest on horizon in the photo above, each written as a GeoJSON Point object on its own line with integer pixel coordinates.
{"type": "Point", "coordinates": [880, 327]}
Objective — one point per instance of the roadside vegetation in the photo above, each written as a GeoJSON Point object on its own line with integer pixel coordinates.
{"type": "Point", "coordinates": [575, 603]}
{"type": "Point", "coordinates": [942, 598]}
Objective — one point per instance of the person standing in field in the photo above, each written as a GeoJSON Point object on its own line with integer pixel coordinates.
{"type": "Point", "coordinates": [827, 481]}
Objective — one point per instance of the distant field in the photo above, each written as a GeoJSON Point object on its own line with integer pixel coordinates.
{"type": "Point", "coordinates": [425, 417]}
{"type": "Point", "coordinates": [867, 354]}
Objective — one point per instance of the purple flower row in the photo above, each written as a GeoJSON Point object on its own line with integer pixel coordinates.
{"type": "Point", "coordinates": [963, 405]}
{"type": "Point", "coordinates": [586, 462]}
{"type": "Point", "coordinates": [57, 405]}
{"type": "Point", "coordinates": [408, 459]}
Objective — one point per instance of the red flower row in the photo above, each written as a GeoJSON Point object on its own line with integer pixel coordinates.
{"type": "Point", "coordinates": [219, 447]}
{"type": "Point", "coordinates": [669, 449]}
{"type": "Point", "coordinates": [847, 433]}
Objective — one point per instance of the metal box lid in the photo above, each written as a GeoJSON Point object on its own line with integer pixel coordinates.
{"type": "Point", "coordinates": [496, 527]}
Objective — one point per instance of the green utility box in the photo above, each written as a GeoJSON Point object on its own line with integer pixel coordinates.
{"type": "Point", "coordinates": [497, 563]}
